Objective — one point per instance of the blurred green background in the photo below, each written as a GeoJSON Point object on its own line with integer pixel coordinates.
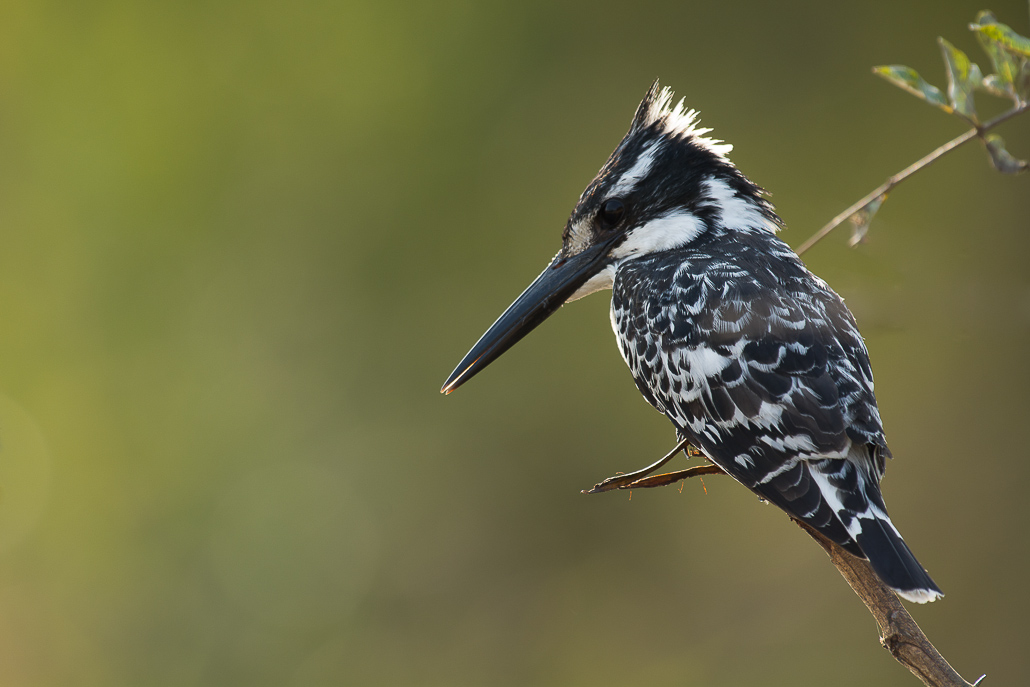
{"type": "Point", "coordinates": [243, 244]}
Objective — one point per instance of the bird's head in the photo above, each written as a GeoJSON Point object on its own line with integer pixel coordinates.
{"type": "Point", "coordinates": [666, 186]}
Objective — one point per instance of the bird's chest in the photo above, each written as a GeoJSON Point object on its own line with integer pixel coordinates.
{"type": "Point", "coordinates": [660, 330]}
{"type": "Point", "coordinates": [657, 357]}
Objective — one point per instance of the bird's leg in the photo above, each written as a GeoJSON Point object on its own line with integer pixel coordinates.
{"type": "Point", "coordinates": [639, 478]}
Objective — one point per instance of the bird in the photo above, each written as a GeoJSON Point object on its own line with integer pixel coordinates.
{"type": "Point", "coordinates": [755, 360]}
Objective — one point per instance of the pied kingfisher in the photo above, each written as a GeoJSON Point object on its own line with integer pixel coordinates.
{"type": "Point", "coordinates": [755, 360]}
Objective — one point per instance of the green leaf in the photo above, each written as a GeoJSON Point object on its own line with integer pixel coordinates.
{"type": "Point", "coordinates": [1006, 65]}
{"type": "Point", "coordinates": [1002, 160]}
{"type": "Point", "coordinates": [1005, 37]}
{"type": "Point", "coordinates": [909, 79]}
{"type": "Point", "coordinates": [860, 220]}
{"type": "Point", "coordinates": [963, 77]}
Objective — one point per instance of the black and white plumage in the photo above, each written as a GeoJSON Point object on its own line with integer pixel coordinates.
{"type": "Point", "coordinates": [754, 359]}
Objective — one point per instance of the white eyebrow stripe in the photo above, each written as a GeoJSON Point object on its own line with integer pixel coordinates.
{"type": "Point", "coordinates": [640, 169]}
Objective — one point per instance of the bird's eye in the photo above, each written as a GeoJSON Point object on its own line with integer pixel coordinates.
{"type": "Point", "coordinates": [611, 212]}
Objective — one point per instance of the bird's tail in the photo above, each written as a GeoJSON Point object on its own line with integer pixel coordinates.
{"type": "Point", "coordinates": [854, 495]}
{"type": "Point", "coordinates": [893, 561]}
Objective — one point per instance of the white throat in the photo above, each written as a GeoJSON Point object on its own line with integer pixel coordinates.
{"type": "Point", "coordinates": [600, 281]}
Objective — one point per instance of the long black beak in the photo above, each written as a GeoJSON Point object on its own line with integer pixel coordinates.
{"type": "Point", "coordinates": [544, 296]}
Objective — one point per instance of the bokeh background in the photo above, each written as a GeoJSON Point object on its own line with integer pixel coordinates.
{"type": "Point", "coordinates": [243, 243]}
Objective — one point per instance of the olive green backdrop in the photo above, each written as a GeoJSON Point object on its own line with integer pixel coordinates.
{"type": "Point", "coordinates": [243, 243]}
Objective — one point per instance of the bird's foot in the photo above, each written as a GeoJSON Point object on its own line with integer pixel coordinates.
{"type": "Point", "coordinates": [643, 478]}
{"type": "Point", "coordinates": [667, 478]}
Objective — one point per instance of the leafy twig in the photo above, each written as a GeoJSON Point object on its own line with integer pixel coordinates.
{"type": "Point", "coordinates": [1010, 56]}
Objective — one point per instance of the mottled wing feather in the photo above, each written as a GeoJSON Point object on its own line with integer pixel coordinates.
{"type": "Point", "coordinates": [765, 372]}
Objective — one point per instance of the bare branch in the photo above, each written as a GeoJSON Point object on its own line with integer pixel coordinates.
{"type": "Point", "coordinates": [893, 181]}
{"type": "Point", "coordinates": [899, 633]}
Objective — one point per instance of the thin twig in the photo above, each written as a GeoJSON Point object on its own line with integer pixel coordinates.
{"type": "Point", "coordinates": [893, 181]}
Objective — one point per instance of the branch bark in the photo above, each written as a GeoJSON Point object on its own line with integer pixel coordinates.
{"type": "Point", "coordinates": [899, 633]}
